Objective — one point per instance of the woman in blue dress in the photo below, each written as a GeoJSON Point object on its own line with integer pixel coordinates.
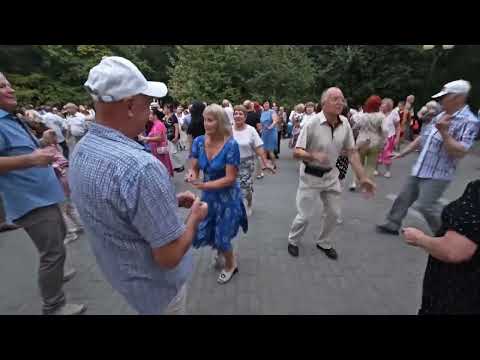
{"type": "Point", "coordinates": [218, 156]}
{"type": "Point", "coordinates": [269, 120]}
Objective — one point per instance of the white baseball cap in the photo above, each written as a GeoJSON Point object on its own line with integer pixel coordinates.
{"type": "Point", "coordinates": [116, 78]}
{"type": "Point", "coordinates": [454, 87]}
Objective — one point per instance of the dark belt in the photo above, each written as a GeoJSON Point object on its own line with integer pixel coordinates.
{"type": "Point", "coordinates": [316, 171]}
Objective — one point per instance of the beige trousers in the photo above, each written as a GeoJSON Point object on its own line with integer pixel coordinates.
{"type": "Point", "coordinates": [308, 200]}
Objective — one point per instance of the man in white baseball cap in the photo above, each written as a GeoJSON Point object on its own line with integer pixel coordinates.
{"type": "Point", "coordinates": [459, 87]}
{"type": "Point", "coordinates": [444, 141]}
{"type": "Point", "coordinates": [126, 199]}
{"type": "Point", "coordinates": [116, 78]}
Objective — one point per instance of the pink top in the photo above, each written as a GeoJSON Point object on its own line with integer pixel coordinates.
{"type": "Point", "coordinates": [158, 129]}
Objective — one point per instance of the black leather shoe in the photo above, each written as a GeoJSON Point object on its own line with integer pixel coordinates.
{"type": "Point", "coordinates": [386, 230]}
{"type": "Point", "coordinates": [293, 250]}
{"type": "Point", "coordinates": [331, 253]}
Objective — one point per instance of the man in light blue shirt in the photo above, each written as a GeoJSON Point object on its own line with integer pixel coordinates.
{"type": "Point", "coordinates": [31, 194]}
{"type": "Point", "coordinates": [444, 142]}
{"type": "Point", "coordinates": [126, 199]}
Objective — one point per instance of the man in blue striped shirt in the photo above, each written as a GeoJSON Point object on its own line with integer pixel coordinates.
{"type": "Point", "coordinates": [126, 199]}
{"type": "Point", "coordinates": [444, 142]}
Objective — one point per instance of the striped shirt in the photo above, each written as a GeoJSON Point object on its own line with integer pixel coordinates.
{"type": "Point", "coordinates": [128, 205]}
{"type": "Point", "coordinates": [434, 161]}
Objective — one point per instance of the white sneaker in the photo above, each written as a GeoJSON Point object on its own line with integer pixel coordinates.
{"type": "Point", "coordinates": [375, 173]}
{"type": "Point", "coordinates": [388, 175]}
{"type": "Point", "coordinates": [71, 237]}
{"type": "Point", "coordinates": [69, 275]}
{"type": "Point", "coordinates": [70, 309]}
{"type": "Point", "coordinates": [78, 230]}
{"type": "Point", "coordinates": [353, 186]}
{"type": "Point", "coordinates": [339, 221]}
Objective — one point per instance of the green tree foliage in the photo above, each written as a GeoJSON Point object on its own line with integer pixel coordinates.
{"type": "Point", "coordinates": [54, 74]}
{"type": "Point", "coordinates": [212, 73]}
{"type": "Point", "coordinates": [361, 70]}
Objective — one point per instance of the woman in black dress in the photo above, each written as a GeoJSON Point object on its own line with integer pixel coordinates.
{"type": "Point", "coordinates": [196, 127]}
{"type": "Point", "coordinates": [452, 277]}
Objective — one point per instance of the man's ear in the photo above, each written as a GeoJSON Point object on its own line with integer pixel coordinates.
{"type": "Point", "coordinates": [129, 104]}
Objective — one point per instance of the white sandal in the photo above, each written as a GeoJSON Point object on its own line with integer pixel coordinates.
{"type": "Point", "coordinates": [226, 276]}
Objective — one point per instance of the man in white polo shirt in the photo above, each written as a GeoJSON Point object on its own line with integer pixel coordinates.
{"type": "Point", "coordinates": [319, 144]}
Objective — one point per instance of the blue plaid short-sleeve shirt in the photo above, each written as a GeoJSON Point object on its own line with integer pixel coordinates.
{"type": "Point", "coordinates": [128, 205]}
{"type": "Point", "coordinates": [434, 161]}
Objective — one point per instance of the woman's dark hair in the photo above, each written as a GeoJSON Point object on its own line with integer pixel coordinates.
{"type": "Point", "coordinates": [170, 107]}
{"type": "Point", "coordinates": [160, 115]}
{"type": "Point", "coordinates": [196, 127]}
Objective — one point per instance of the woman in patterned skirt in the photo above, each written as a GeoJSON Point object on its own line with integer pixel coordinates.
{"type": "Point", "coordinates": [250, 146]}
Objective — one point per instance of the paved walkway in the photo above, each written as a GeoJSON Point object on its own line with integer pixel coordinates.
{"type": "Point", "coordinates": [375, 274]}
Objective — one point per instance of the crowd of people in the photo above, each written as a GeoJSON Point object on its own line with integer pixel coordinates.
{"type": "Point", "coordinates": [109, 172]}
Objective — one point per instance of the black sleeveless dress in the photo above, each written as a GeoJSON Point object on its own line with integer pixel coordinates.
{"type": "Point", "coordinates": [455, 288]}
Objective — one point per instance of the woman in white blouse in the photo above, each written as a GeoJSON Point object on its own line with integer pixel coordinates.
{"type": "Point", "coordinates": [250, 145]}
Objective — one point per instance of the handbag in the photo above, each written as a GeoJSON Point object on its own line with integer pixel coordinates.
{"type": "Point", "coordinates": [172, 148]}
{"type": "Point", "coordinates": [162, 150]}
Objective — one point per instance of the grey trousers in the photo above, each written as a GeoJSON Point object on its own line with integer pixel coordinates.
{"type": "Point", "coordinates": [426, 192]}
{"type": "Point", "coordinates": [3, 215]}
{"type": "Point", "coordinates": [46, 228]}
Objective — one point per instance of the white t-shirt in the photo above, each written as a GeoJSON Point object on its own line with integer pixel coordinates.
{"type": "Point", "coordinates": [180, 118]}
{"type": "Point", "coordinates": [248, 140]}
{"type": "Point", "coordinates": [229, 112]}
{"type": "Point", "coordinates": [55, 123]}
{"type": "Point", "coordinates": [390, 122]}
{"type": "Point", "coordinates": [306, 118]}
{"type": "Point", "coordinates": [76, 124]}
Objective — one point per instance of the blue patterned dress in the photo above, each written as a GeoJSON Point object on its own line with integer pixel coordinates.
{"type": "Point", "coordinates": [269, 136]}
{"type": "Point", "coordinates": [226, 212]}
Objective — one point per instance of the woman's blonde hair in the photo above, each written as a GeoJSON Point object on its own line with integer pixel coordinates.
{"type": "Point", "coordinates": [241, 108]}
{"type": "Point", "coordinates": [300, 108]}
{"type": "Point", "coordinates": [219, 114]}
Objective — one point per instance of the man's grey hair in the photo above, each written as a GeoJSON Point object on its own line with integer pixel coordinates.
{"type": "Point", "coordinates": [434, 105]}
{"type": "Point", "coordinates": [225, 103]}
{"type": "Point", "coordinates": [325, 94]}
{"type": "Point", "coordinates": [389, 102]}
